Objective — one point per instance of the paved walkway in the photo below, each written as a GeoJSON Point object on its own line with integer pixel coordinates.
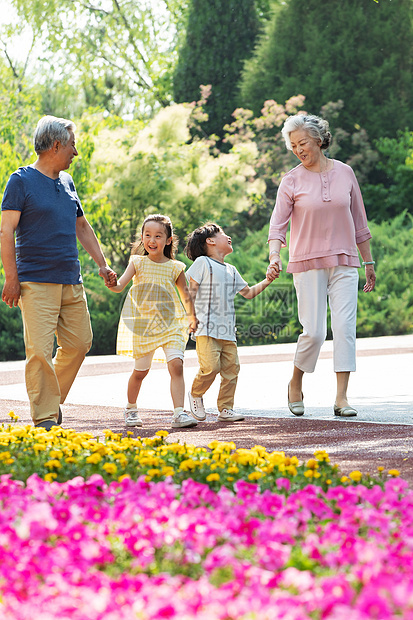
{"type": "Point", "coordinates": [381, 390]}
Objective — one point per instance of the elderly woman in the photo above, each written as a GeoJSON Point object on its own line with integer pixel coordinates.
{"type": "Point", "coordinates": [322, 199]}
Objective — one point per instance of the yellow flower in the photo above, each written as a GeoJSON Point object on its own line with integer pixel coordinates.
{"type": "Point", "coordinates": [255, 475]}
{"type": "Point", "coordinates": [328, 481]}
{"type": "Point", "coordinates": [121, 458]}
{"type": "Point", "coordinates": [260, 450]}
{"type": "Point", "coordinates": [154, 472]}
{"type": "Point", "coordinates": [276, 458]}
{"type": "Point", "coordinates": [187, 465]}
{"type": "Point", "coordinates": [94, 458]}
{"type": "Point", "coordinates": [162, 433]}
{"type": "Point", "coordinates": [123, 477]}
{"type": "Point", "coordinates": [291, 469]}
{"type": "Point", "coordinates": [71, 459]}
{"type": "Point", "coordinates": [13, 416]}
{"type": "Point", "coordinates": [53, 463]}
{"type": "Point", "coordinates": [321, 455]}
{"type": "Point", "coordinates": [230, 478]}
{"type": "Point", "coordinates": [312, 464]}
{"type": "Point", "coordinates": [232, 469]}
{"type": "Point", "coordinates": [380, 468]}
{"type": "Point", "coordinates": [394, 473]}
{"type": "Point", "coordinates": [39, 447]}
{"type": "Point", "coordinates": [309, 473]}
{"type": "Point", "coordinates": [167, 471]}
{"type": "Point", "coordinates": [212, 477]}
{"type": "Point", "coordinates": [56, 454]}
{"type": "Point", "coordinates": [245, 457]}
{"type": "Point", "coordinates": [4, 456]}
{"type": "Point", "coordinates": [110, 468]}
{"type": "Point", "coordinates": [343, 479]}
{"type": "Point", "coordinates": [50, 477]}
{"type": "Point", "coordinates": [355, 475]}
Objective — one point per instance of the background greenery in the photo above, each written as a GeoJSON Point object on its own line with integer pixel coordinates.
{"type": "Point", "coordinates": [119, 67]}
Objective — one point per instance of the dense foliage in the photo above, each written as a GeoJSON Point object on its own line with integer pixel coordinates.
{"type": "Point", "coordinates": [220, 35]}
{"type": "Point", "coordinates": [338, 51]}
{"type": "Point", "coordinates": [170, 163]}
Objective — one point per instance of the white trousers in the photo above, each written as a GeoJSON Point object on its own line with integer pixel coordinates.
{"type": "Point", "coordinates": [339, 285]}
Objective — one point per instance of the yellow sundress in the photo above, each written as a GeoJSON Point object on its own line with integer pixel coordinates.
{"type": "Point", "coordinates": [153, 315]}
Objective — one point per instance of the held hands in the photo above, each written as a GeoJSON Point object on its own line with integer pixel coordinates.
{"type": "Point", "coordinates": [193, 324]}
{"type": "Point", "coordinates": [370, 279]}
{"type": "Point", "coordinates": [109, 276]}
{"type": "Point", "coordinates": [274, 268]}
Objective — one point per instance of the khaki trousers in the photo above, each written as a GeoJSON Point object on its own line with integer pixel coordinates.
{"type": "Point", "coordinates": [217, 356]}
{"type": "Point", "coordinates": [49, 309]}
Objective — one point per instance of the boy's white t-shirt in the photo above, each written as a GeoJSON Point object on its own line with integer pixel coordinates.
{"type": "Point", "coordinates": [214, 302]}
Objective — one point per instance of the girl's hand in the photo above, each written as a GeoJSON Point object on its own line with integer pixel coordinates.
{"type": "Point", "coordinates": [193, 324]}
{"type": "Point", "coordinates": [370, 279]}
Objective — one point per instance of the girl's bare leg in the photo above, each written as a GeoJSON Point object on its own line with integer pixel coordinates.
{"type": "Point", "coordinates": [134, 384]}
{"type": "Point", "coordinates": [176, 370]}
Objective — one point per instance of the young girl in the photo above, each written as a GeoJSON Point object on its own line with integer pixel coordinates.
{"type": "Point", "coordinates": [153, 315]}
{"type": "Point", "coordinates": [213, 284]}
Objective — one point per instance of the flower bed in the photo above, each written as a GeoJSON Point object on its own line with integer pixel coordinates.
{"type": "Point", "coordinates": [163, 545]}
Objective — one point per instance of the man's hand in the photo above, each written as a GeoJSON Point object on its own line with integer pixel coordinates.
{"type": "Point", "coordinates": [11, 293]}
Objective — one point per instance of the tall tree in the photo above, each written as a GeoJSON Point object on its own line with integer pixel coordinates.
{"type": "Point", "coordinates": [220, 34]}
{"type": "Point", "coordinates": [114, 53]}
{"type": "Point", "coordinates": [357, 52]}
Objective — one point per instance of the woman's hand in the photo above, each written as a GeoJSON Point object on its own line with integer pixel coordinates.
{"type": "Point", "coordinates": [370, 279]}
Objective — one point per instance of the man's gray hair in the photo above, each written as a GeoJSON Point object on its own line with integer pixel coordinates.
{"type": "Point", "coordinates": [316, 127]}
{"type": "Point", "coordinates": [48, 130]}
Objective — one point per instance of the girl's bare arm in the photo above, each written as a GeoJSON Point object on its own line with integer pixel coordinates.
{"type": "Point", "coordinates": [125, 278]}
{"type": "Point", "coordinates": [187, 300]}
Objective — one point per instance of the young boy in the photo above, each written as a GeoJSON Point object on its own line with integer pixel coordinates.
{"type": "Point", "coordinates": [213, 285]}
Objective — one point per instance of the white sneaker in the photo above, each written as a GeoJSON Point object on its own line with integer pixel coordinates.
{"type": "Point", "coordinates": [229, 415]}
{"type": "Point", "coordinates": [183, 420]}
{"type": "Point", "coordinates": [197, 407]}
{"type": "Point", "coordinates": [132, 418]}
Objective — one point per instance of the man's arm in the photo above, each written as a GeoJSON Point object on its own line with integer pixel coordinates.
{"type": "Point", "coordinates": [11, 289]}
{"type": "Point", "coordinates": [88, 239]}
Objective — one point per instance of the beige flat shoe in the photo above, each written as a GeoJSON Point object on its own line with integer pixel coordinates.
{"type": "Point", "coordinates": [345, 412]}
{"type": "Point", "coordinates": [296, 408]}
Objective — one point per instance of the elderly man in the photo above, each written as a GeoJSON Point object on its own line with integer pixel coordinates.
{"type": "Point", "coordinates": [41, 218]}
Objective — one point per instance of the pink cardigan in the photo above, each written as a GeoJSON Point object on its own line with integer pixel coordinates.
{"type": "Point", "coordinates": [327, 215]}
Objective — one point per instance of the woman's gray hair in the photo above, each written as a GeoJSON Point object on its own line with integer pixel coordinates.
{"type": "Point", "coordinates": [48, 130]}
{"type": "Point", "coordinates": [316, 127]}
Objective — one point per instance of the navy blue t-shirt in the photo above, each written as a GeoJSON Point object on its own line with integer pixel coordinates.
{"type": "Point", "coordinates": [46, 247]}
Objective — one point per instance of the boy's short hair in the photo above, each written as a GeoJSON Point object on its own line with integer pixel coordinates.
{"type": "Point", "coordinates": [196, 243]}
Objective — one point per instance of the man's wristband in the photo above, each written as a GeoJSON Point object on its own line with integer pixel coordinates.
{"type": "Point", "coordinates": [368, 262]}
